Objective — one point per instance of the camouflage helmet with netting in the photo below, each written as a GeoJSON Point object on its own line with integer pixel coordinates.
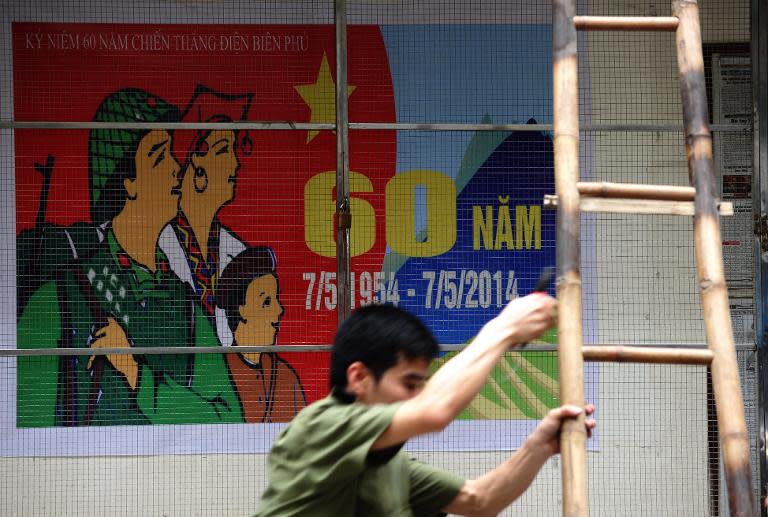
{"type": "Point", "coordinates": [107, 148]}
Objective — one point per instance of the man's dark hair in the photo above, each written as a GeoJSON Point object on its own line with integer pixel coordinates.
{"type": "Point", "coordinates": [378, 336]}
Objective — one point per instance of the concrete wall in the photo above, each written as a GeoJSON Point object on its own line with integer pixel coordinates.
{"type": "Point", "coordinates": [652, 457]}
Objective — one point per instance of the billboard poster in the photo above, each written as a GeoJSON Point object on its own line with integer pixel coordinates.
{"type": "Point", "coordinates": [138, 238]}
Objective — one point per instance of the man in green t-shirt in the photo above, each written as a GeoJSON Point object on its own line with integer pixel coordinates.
{"type": "Point", "coordinates": [341, 455]}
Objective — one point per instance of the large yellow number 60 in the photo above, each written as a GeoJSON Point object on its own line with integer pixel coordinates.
{"type": "Point", "coordinates": [320, 207]}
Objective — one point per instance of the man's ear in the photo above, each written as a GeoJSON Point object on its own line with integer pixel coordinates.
{"type": "Point", "coordinates": [359, 379]}
{"type": "Point", "coordinates": [130, 188]}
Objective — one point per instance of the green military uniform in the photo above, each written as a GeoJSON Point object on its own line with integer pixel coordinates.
{"type": "Point", "coordinates": [154, 309]}
{"type": "Point", "coordinates": [322, 465]}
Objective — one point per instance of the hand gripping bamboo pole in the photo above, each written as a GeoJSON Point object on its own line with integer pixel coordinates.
{"type": "Point", "coordinates": [573, 437]}
{"type": "Point", "coordinates": [714, 294]}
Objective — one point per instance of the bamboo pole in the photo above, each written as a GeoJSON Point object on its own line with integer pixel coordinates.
{"type": "Point", "coordinates": [625, 23]}
{"type": "Point", "coordinates": [635, 191]}
{"type": "Point", "coordinates": [714, 294]}
{"type": "Point", "coordinates": [643, 354]}
{"type": "Point", "coordinates": [573, 437]}
{"type": "Point", "coordinates": [638, 206]}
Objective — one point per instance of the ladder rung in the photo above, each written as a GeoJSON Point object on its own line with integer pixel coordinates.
{"type": "Point", "coordinates": [635, 191]}
{"type": "Point", "coordinates": [638, 206]}
{"type": "Point", "coordinates": [626, 23]}
{"type": "Point", "coordinates": [644, 354]}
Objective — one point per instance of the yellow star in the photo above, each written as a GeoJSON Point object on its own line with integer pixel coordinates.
{"type": "Point", "coordinates": [320, 96]}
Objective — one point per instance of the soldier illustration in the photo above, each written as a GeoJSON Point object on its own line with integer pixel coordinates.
{"type": "Point", "coordinates": [123, 294]}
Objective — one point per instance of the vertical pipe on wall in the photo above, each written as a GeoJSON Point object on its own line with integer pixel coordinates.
{"type": "Point", "coordinates": [713, 451]}
{"type": "Point", "coordinates": [573, 437]}
{"type": "Point", "coordinates": [759, 53]}
{"type": "Point", "coordinates": [714, 294]}
{"type": "Point", "coordinates": [343, 214]}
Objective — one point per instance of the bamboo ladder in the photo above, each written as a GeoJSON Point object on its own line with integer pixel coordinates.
{"type": "Point", "coordinates": [698, 200]}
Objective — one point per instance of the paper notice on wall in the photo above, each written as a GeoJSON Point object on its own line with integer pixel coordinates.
{"type": "Point", "coordinates": [743, 320]}
{"type": "Point", "coordinates": [738, 251]}
{"type": "Point", "coordinates": [732, 105]}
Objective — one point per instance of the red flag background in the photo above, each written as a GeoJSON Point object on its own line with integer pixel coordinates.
{"type": "Point", "coordinates": [62, 72]}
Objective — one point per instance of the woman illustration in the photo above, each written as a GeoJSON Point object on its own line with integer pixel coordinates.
{"type": "Point", "coordinates": [249, 294]}
{"type": "Point", "coordinates": [196, 243]}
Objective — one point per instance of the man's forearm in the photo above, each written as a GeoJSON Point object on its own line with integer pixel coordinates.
{"type": "Point", "coordinates": [448, 392]}
{"type": "Point", "coordinates": [491, 493]}
{"type": "Point", "coordinates": [454, 385]}
{"type": "Point", "coordinates": [458, 381]}
{"type": "Point", "coordinates": [497, 489]}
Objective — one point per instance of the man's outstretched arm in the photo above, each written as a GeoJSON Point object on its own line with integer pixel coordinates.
{"type": "Point", "coordinates": [491, 493]}
{"type": "Point", "coordinates": [453, 386]}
